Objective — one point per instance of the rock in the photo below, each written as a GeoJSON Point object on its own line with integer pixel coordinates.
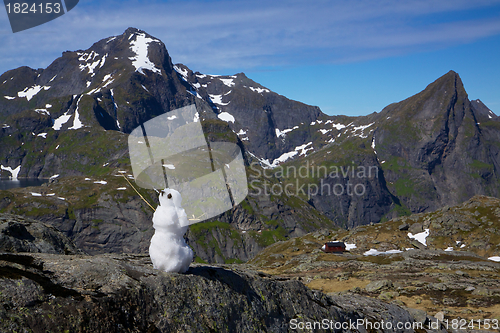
{"type": "Point", "coordinates": [378, 285]}
{"type": "Point", "coordinates": [481, 291]}
{"type": "Point", "coordinates": [416, 228]}
{"type": "Point", "coordinates": [19, 234]}
{"type": "Point", "coordinates": [419, 315]}
{"type": "Point", "coordinates": [439, 316]}
{"type": "Point", "coordinates": [404, 227]}
{"type": "Point", "coordinates": [123, 293]}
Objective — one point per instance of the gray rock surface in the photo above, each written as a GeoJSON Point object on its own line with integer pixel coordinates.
{"type": "Point", "coordinates": [19, 234]}
{"type": "Point", "coordinates": [123, 293]}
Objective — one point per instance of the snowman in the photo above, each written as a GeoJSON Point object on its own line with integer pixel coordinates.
{"type": "Point", "coordinates": [168, 250]}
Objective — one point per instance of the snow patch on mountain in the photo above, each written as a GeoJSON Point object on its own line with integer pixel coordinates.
{"type": "Point", "coordinates": [30, 92]}
{"type": "Point", "coordinates": [13, 172]}
{"type": "Point", "coordinates": [140, 47]}
{"type": "Point", "coordinates": [9, 97]}
{"type": "Point", "coordinates": [228, 82]}
{"type": "Point", "coordinates": [182, 72]}
{"type": "Point", "coordinates": [303, 149]}
{"type": "Point", "coordinates": [361, 130]}
{"type": "Point", "coordinates": [89, 62]}
{"type": "Point", "coordinates": [77, 124]}
{"type": "Point", "coordinates": [285, 131]}
{"type": "Point", "coordinates": [259, 90]}
{"type": "Point", "coordinates": [43, 111]}
{"type": "Point", "coordinates": [225, 116]}
{"type": "Point", "coordinates": [217, 99]}
{"type": "Point", "coordinates": [59, 122]}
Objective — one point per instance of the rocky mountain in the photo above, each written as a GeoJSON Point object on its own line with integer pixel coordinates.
{"type": "Point", "coordinates": [306, 170]}
{"type": "Point", "coordinates": [433, 149]}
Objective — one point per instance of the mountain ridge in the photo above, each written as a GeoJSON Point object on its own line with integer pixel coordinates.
{"type": "Point", "coordinates": [70, 122]}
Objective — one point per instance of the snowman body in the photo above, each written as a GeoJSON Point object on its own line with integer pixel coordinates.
{"type": "Point", "coordinates": [168, 249]}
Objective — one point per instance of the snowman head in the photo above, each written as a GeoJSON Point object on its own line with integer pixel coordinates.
{"type": "Point", "coordinates": [170, 198]}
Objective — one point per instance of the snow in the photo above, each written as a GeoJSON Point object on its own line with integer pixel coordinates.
{"type": "Point", "coordinates": [201, 76]}
{"type": "Point", "coordinates": [349, 247]}
{"type": "Point", "coordinates": [140, 47]}
{"type": "Point", "coordinates": [283, 158]}
{"type": "Point", "coordinates": [496, 258]}
{"type": "Point", "coordinates": [107, 77]}
{"type": "Point", "coordinates": [172, 117]}
{"type": "Point", "coordinates": [144, 88]}
{"type": "Point", "coordinates": [102, 182]}
{"type": "Point", "coordinates": [111, 39]}
{"type": "Point", "coordinates": [373, 252]}
{"type": "Point", "coordinates": [61, 121]}
{"type": "Point", "coordinates": [53, 78]}
{"type": "Point", "coordinates": [259, 90]}
{"type": "Point", "coordinates": [373, 145]}
{"type": "Point", "coordinates": [57, 147]}
{"type": "Point", "coordinates": [196, 117]}
{"type": "Point", "coordinates": [168, 249]}
{"type": "Point", "coordinates": [36, 194]}
{"type": "Point", "coordinates": [217, 99]}
{"type": "Point", "coordinates": [420, 237]}
{"type": "Point", "coordinates": [196, 94]}
{"type": "Point", "coordinates": [338, 126]}
{"type": "Point", "coordinates": [30, 92]}
{"type": "Point", "coordinates": [227, 117]}
{"type": "Point", "coordinates": [182, 72]}
{"type": "Point", "coordinates": [304, 149]}
{"type": "Point", "coordinates": [169, 166]}
{"type": "Point", "coordinates": [103, 61]}
{"type": "Point", "coordinates": [77, 124]}
{"type": "Point", "coordinates": [241, 132]}
{"type": "Point", "coordinates": [107, 84]}
{"type": "Point", "coordinates": [43, 111]}
{"type": "Point", "coordinates": [449, 249]}
{"type": "Point", "coordinates": [462, 246]}
{"type": "Point", "coordinates": [5, 126]}
{"type": "Point", "coordinates": [8, 97]}
{"type": "Point", "coordinates": [90, 66]}
{"type": "Point", "coordinates": [121, 188]}
{"type": "Point", "coordinates": [282, 133]}
{"type": "Point", "coordinates": [43, 135]}
{"type": "Point", "coordinates": [361, 129]}
{"type": "Point", "coordinates": [54, 177]}
{"type": "Point", "coordinates": [14, 172]}
{"type": "Point", "coordinates": [323, 131]}
{"type": "Point", "coordinates": [228, 82]}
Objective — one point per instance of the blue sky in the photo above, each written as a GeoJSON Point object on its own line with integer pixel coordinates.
{"type": "Point", "coordinates": [348, 57]}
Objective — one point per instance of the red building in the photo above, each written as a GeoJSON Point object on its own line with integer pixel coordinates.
{"type": "Point", "coordinates": [333, 247]}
